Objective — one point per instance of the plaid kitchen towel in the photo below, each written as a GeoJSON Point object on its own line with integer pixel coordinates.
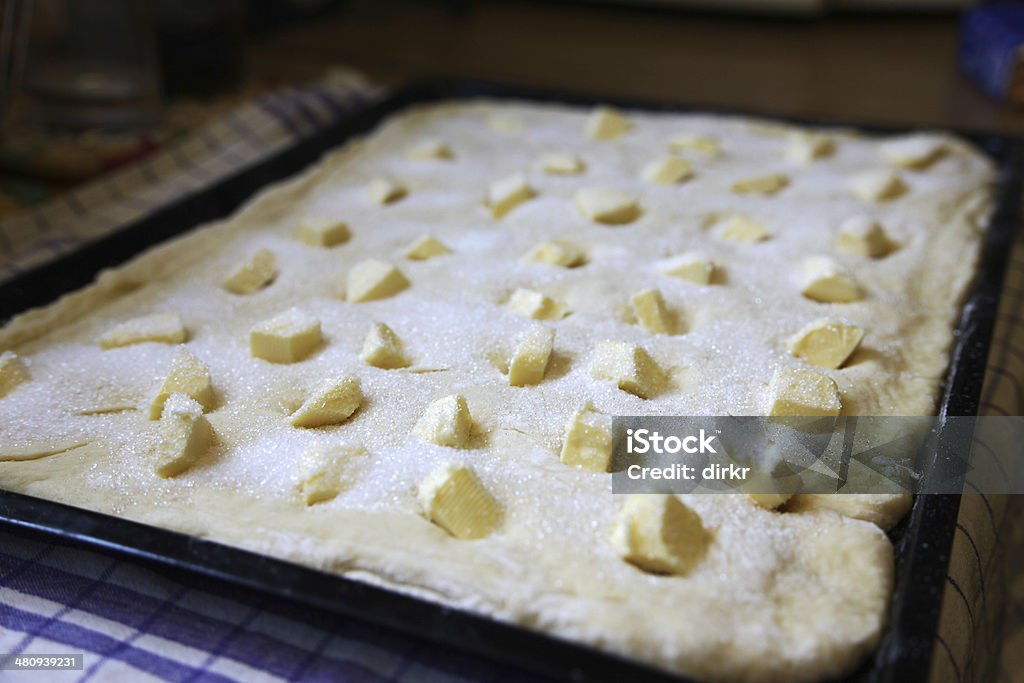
{"type": "Point", "coordinates": [135, 622]}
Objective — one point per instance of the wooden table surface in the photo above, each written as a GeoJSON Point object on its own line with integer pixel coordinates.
{"type": "Point", "coordinates": [900, 70]}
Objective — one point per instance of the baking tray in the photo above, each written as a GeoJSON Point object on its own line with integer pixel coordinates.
{"type": "Point", "coordinates": [923, 541]}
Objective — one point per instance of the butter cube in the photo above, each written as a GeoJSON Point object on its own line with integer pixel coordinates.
{"type": "Point", "coordinates": [555, 254]}
{"type": "Point", "coordinates": [253, 274]}
{"type": "Point", "coordinates": [744, 230]}
{"type": "Point", "coordinates": [188, 376]}
{"type": "Point", "coordinates": [318, 231]}
{"type": "Point", "coordinates": [426, 247]}
{"type": "Point", "coordinates": [861, 236]}
{"type": "Point", "coordinates": [446, 422]}
{"type": "Point", "coordinates": [770, 501]}
{"type": "Point", "coordinates": [607, 123]}
{"type": "Point", "coordinates": [607, 205]}
{"type": "Point", "coordinates": [531, 304]}
{"type": "Point", "coordinates": [660, 534]}
{"type": "Point", "coordinates": [803, 393]}
{"type": "Point", "coordinates": [286, 338]}
{"type": "Point", "coordinates": [530, 360]}
{"type": "Point", "coordinates": [558, 163]}
{"type": "Point", "coordinates": [650, 311]}
{"type": "Point", "coordinates": [629, 366]}
{"type": "Point", "coordinates": [877, 185]}
{"type": "Point", "coordinates": [826, 343]}
{"type": "Point", "coordinates": [588, 440]}
{"type": "Point", "coordinates": [703, 144]}
{"type": "Point", "coordinates": [385, 191]}
{"type": "Point", "coordinates": [913, 151]}
{"type": "Point", "coordinates": [668, 171]}
{"type": "Point", "coordinates": [764, 185]}
{"type": "Point", "coordinates": [692, 265]}
{"type": "Point", "coordinates": [331, 404]}
{"type": "Point", "coordinates": [322, 471]}
{"type": "Point", "coordinates": [12, 372]}
{"type": "Point", "coordinates": [508, 193]}
{"type": "Point", "coordinates": [454, 498]}
{"type": "Point", "coordinates": [184, 435]}
{"type": "Point", "coordinates": [373, 279]}
{"type": "Point", "coordinates": [383, 348]}
{"type": "Point", "coordinates": [430, 150]}
{"type": "Point", "coordinates": [162, 328]}
{"type": "Point", "coordinates": [803, 148]}
{"type": "Point", "coordinates": [824, 281]}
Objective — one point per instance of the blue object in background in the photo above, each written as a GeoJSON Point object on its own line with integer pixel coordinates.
{"type": "Point", "coordinates": [991, 37]}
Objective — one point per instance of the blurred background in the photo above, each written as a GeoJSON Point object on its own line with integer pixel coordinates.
{"type": "Point", "coordinates": [88, 85]}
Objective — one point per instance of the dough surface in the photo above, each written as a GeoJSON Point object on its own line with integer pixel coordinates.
{"type": "Point", "coordinates": [778, 596]}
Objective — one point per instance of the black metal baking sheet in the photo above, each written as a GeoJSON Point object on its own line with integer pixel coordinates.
{"type": "Point", "coordinates": [923, 541]}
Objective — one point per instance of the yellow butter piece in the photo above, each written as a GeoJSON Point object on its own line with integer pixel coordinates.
{"type": "Point", "coordinates": [692, 265]}
{"type": "Point", "coordinates": [455, 499]}
{"type": "Point", "coordinates": [803, 148]}
{"type": "Point", "coordinates": [184, 435]}
{"type": "Point", "coordinates": [446, 422]}
{"type": "Point", "coordinates": [426, 247]}
{"type": "Point", "coordinates": [826, 343]}
{"type": "Point", "coordinates": [560, 163]}
{"type": "Point", "coordinates": [555, 254]}
{"type": "Point", "coordinates": [803, 393]}
{"type": "Point", "coordinates": [607, 205]}
{"type": "Point", "coordinates": [430, 150]}
{"type": "Point", "coordinates": [769, 184]}
{"type": "Point", "coordinates": [385, 191]}
{"type": "Point", "coordinates": [629, 366]}
{"type": "Point", "coordinates": [824, 280]}
{"type": "Point", "coordinates": [862, 236]}
{"type": "Point", "coordinates": [332, 403]}
{"type": "Point", "coordinates": [913, 152]}
{"type": "Point", "coordinates": [162, 328]}
{"type": "Point", "coordinates": [508, 193]}
{"type": "Point", "coordinates": [253, 274]}
{"type": "Point", "coordinates": [373, 279]}
{"type": "Point", "coordinates": [651, 312]}
{"type": "Point", "coordinates": [530, 360]}
{"type": "Point", "coordinates": [703, 144]}
{"type": "Point", "coordinates": [187, 375]}
{"type": "Point", "coordinates": [744, 230]}
{"type": "Point", "coordinates": [588, 440]}
{"type": "Point", "coordinates": [877, 185]}
{"type": "Point", "coordinates": [607, 123]}
{"type": "Point", "coordinates": [322, 471]}
{"type": "Point", "coordinates": [532, 304]}
{"type": "Point", "coordinates": [383, 348]}
{"type": "Point", "coordinates": [668, 170]}
{"type": "Point", "coordinates": [12, 372]}
{"type": "Point", "coordinates": [286, 338]}
{"type": "Point", "coordinates": [319, 231]}
{"type": "Point", "coordinates": [770, 501]}
{"type": "Point", "coordinates": [659, 533]}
